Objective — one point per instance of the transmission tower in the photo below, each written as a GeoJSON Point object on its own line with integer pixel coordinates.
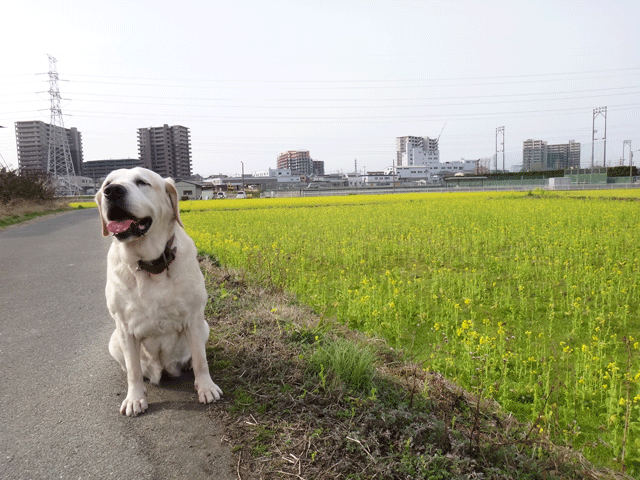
{"type": "Point", "coordinates": [3, 162]}
{"type": "Point", "coordinates": [500, 131]}
{"type": "Point", "coordinates": [59, 163]}
{"type": "Point", "coordinates": [597, 112]}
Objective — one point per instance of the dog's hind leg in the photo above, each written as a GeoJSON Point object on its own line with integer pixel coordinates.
{"type": "Point", "coordinates": [176, 355]}
{"type": "Point", "coordinates": [150, 361]}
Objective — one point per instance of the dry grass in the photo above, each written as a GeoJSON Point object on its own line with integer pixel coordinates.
{"type": "Point", "coordinates": [286, 419]}
{"type": "Point", "coordinates": [19, 210]}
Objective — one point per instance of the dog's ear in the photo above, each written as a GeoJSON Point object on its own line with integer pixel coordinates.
{"type": "Point", "coordinates": [98, 200]}
{"type": "Point", "coordinates": [172, 193]}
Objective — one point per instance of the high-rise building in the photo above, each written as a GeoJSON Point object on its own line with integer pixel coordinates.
{"type": "Point", "coordinates": [534, 155]}
{"type": "Point", "coordinates": [32, 139]}
{"type": "Point", "coordinates": [412, 151]}
{"type": "Point", "coordinates": [297, 160]}
{"type": "Point", "coordinates": [166, 150]}
{"type": "Point", "coordinates": [573, 154]}
{"type": "Point", "coordinates": [563, 156]}
{"type": "Point", "coordinates": [537, 155]}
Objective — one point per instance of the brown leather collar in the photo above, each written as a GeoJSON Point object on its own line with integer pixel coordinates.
{"type": "Point", "coordinates": [160, 264]}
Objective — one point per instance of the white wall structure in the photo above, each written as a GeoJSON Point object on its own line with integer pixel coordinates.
{"type": "Point", "coordinates": [370, 179]}
{"type": "Point", "coordinates": [281, 175]}
{"type": "Point", "coordinates": [412, 173]}
{"type": "Point", "coordinates": [458, 166]}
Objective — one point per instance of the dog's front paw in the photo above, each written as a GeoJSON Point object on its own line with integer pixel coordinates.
{"type": "Point", "coordinates": [207, 390]}
{"type": "Point", "coordinates": [133, 405]}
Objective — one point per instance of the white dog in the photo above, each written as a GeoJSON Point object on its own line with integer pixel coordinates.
{"type": "Point", "coordinates": [155, 289]}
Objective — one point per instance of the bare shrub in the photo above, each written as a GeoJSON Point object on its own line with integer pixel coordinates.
{"type": "Point", "coordinates": [33, 186]}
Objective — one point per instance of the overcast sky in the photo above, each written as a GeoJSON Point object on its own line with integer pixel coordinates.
{"type": "Point", "coordinates": [342, 79]}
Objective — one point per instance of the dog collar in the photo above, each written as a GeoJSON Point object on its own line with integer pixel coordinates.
{"type": "Point", "coordinates": [160, 264]}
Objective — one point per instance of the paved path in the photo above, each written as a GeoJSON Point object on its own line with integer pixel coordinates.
{"type": "Point", "coordinates": [60, 390]}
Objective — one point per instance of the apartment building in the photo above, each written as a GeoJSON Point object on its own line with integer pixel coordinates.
{"type": "Point", "coordinates": [32, 139]}
{"type": "Point", "coordinates": [296, 160]}
{"type": "Point", "coordinates": [563, 155]}
{"type": "Point", "coordinates": [166, 150]}
{"type": "Point", "coordinates": [534, 155]}
{"type": "Point", "coordinates": [412, 151]}
{"type": "Point", "coordinates": [537, 155]}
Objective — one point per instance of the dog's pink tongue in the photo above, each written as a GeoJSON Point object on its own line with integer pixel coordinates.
{"type": "Point", "coordinates": [119, 227]}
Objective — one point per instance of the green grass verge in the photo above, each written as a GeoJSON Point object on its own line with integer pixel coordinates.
{"type": "Point", "coordinates": [13, 219]}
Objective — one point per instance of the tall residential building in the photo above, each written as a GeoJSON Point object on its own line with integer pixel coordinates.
{"type": "Point", "coordinates": [534, 155]}
{"type": "Point", "coordinates": [563, 155]}
{"type": "Point", "coordinates": [296, 160]}
{"type": "Point", "coordinates": [537, 155]}
{"type": "Point", "coordinates": [32, 139]}
{"type": "Point", "coordinates": [166, 150]}
{"type": "Point", "coordinates": [412, 151]}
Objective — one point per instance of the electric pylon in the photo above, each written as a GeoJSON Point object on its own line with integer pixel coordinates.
{"type": "Point", "coordinates": [59, 163]}
{"type": "Point", "coordinates": [596, 113]}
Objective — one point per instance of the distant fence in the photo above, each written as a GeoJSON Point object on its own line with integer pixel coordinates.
{"type": "Point", "coordinates": [544, 185]}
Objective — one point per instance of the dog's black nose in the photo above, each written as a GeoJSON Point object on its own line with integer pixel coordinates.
{"type": "Point", "coordinates": [114, 191]}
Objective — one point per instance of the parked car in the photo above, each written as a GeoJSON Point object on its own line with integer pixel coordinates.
{"type": "Point", "coordinates": [221, 195]}
{"type": "Point", "coordinates": [241, 194]}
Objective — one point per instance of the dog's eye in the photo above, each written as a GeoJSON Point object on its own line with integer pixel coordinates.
{"type": "Point", "coordinates": [140, 182]}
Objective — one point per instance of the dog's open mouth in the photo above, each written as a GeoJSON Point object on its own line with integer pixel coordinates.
{"type": "Point", "coordinates": [128, 227]}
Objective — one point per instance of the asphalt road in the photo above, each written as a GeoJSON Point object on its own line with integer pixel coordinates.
{"type": "Point", "coordinates": [60, 390]}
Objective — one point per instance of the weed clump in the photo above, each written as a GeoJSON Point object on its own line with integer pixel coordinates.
{"type": "Point", "coordinates": [343, 360]}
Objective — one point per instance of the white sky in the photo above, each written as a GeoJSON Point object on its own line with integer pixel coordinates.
{"type": "Point", "coordinates": [341, 79]}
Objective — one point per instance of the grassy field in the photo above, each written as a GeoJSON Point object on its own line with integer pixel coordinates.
{"type": "Point", "coordinates": [307, 398]}
{"type": "Point", "coordinates": [527, 299]}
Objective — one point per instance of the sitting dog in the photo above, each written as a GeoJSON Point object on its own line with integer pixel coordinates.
{"type": "Point", "coordinates": [155, 289]}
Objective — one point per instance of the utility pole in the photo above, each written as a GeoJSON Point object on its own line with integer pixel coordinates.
{"type": "Point", "coordinates": [500, 131]}
{"type": "Point", "coordinates": [624, 144]}
{"type": "Point", "coordinates": [59, 163]}
{"type": "Point", "coordinates": [597, 112]}
{"type": "Point", "coordinates": [394, 176]}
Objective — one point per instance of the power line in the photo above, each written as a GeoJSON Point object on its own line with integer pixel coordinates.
{"type": "Point", "coordinates": [439, 79]}
{"type": "Point", "coordinates": [306, 107]}
{"type": "Point", "coordinates": [235, 85]}
{"type": "Point", "coordinates": [321, 119]}
{"type": "Point", "coordinates": [412, 99]}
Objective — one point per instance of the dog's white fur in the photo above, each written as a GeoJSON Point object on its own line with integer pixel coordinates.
{"type": "Point", "coordinates": [159, 319]}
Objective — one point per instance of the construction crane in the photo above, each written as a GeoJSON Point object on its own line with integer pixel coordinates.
{"type": "Point", "coordinates": [445, 124]}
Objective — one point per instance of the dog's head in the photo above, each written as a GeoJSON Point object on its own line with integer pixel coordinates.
{"type": "Point", "coordinates": [133, 202]}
